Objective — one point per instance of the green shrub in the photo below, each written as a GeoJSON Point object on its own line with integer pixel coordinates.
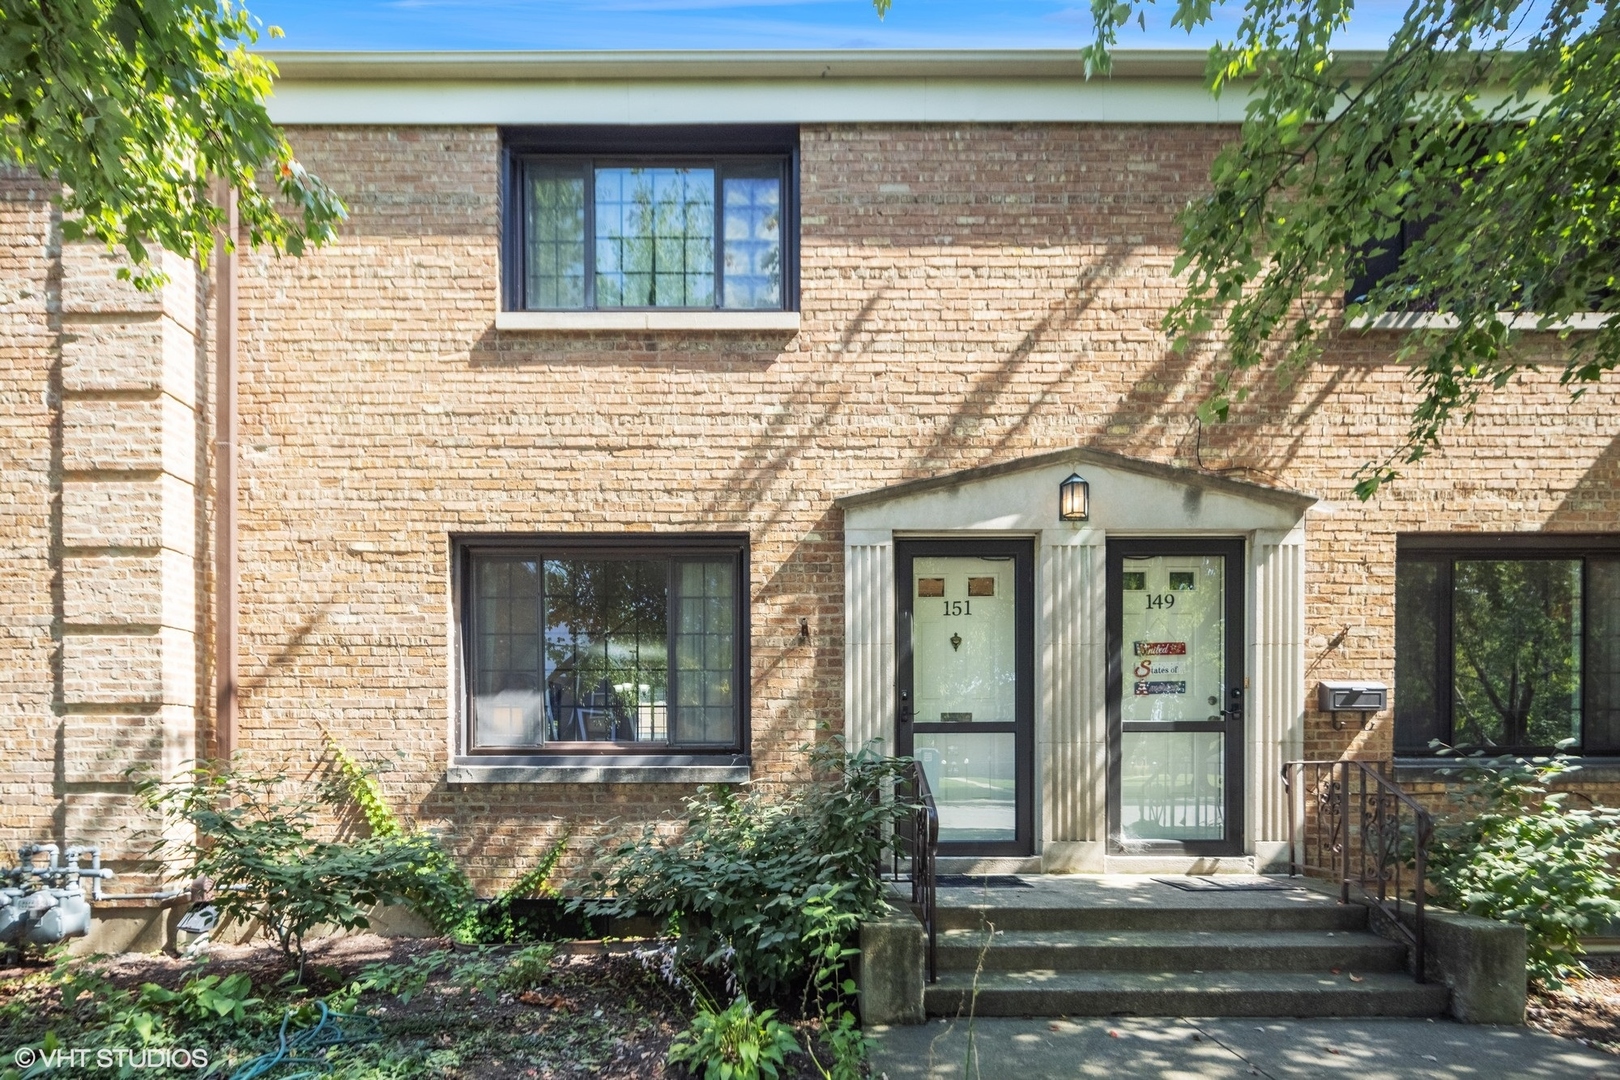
{"type": "Point", "coordinates": [498, 923]}
{"type": "Point", "coordinates": [526, 968]}
{"type": "Point", "coordinates": [734, 1044]}
{"type": "Point", "coordinates": [204, 999]}
{"type": "Point", "coordinates": [435, 887]}
{"type": "Point", "coordinates": [1515, 852]}
{"type": "Point", "coordinates": [751, 881]}
{"type": "Point", "coordinates": [257, 848]}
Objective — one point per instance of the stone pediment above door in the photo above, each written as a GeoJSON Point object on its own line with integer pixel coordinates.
{"type": "Point", "coordinates": [1128, 498]}
{"type": "Point", "coordinates": [1127, 495]}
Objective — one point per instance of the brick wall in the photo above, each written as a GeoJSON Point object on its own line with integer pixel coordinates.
{"type": "Point", "coordinates": [970, 294]}
{"type": "Point", "coordinates": [100, 522]}
{"type": "Point", "coordinates": [29, 453]}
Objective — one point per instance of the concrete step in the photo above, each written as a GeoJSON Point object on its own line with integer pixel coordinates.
{"type": "Point", "coordinates": [1198, 913]}
{"type": "Point", "coordinates": [975, 864]}
{"type": "Point", "coordinates": [1221, 993]}
{"type": "Point", "coordinates": [1128, 902]}
{"type": "Point", "coordinates": [1170, 950]}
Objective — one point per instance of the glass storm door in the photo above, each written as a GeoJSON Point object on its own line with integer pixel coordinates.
{"type": "Point", "coordinates": [1175, 696]}
{"type": "Point", "coordinates": [966, 658]}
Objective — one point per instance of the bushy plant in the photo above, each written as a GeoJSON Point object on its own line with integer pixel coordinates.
{"type": "Point", "coordinates": [436, 887]}
{"type": "Point", "coordinates": [751, 879]}
{"type": "Point", "coordinates": [259, 850]}
{"type": "Point", "coordinates": [828, 938]}
{"type": "Point", "coordinates": [204, 999]}
{"type": "Point", "coordinates": [1514, 851]}
{"type": "Point", "coordinates": [735, 1043]}
{"type": "Point", "coordinates": [527, 967]}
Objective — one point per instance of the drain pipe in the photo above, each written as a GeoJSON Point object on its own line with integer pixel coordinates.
{"type": "Point", "coordinates": [225, 657]}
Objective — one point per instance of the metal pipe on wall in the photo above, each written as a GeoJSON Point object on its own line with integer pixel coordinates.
{"type": "Point", "coordinates": [225, 575]}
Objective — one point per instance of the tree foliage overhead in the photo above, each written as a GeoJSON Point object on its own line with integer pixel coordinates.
{"type": "Point", "coordinates": [137, 106]}
{"type": "Point", "coordinates": [1492, 124]}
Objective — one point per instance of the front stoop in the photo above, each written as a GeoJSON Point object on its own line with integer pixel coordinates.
{"type": "Point", "coordinates": [1131, 946]}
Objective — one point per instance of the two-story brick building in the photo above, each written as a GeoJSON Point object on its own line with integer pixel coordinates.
{"type": "Point", "coordinates": [654, 412]}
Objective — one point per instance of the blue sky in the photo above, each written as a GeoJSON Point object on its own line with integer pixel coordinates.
{"type": "Point", "coordinates": [723, 24]}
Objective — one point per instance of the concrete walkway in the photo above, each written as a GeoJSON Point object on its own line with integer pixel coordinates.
{"type": "Point", "coordinates": [1180, 1049]}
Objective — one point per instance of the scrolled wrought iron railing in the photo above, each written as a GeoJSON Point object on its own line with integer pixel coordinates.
{"type": "Point", "coordinates": [1349, 821]}
{"type": "Point", "coordinates": [915, 850]}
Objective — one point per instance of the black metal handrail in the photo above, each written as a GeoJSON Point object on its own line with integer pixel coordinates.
{"type": "Point", "coordinates": [1365, 832]}
{"type": "Point", "coordinates": [915, 850]}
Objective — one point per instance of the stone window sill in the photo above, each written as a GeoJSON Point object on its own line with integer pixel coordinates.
{"type": "Point", "coordinates": [1428, 320]}
{"type": "Point", "coordinates": [783, 322]}
{"type": "Point", "coordinates": [1419, 769]}
{"type": "Point", "coordinates": [577, 770]}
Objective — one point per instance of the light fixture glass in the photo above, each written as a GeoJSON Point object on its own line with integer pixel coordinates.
{"type": "Point", "coordinates": [1074, 499]}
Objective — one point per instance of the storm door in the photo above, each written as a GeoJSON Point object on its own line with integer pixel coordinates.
{"type": "Point", "coordinates": [966, 658]}
{"type": "Point", "coordinates": [1175, 696]}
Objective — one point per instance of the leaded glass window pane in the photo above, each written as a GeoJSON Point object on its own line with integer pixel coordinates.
{"type": "Point", "coordinates": [508, 701]}
{"type": "Point", "coordinates": [705, 651]}
{"type": "Point", "coordinates": [654, 237]}
{"type": "Point", "coordinates": [1419, 609]}
{"type": "Point", "coordinates": [555, 235]}
{"type": "Point", "coordinates": [1602, 722]}
{"type": "Point", "coordinates": [752, 213]}
{"type": "Point", "coordinates": [1516, 659]}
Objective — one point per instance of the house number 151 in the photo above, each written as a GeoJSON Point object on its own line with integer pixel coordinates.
{"type": "Point", "coordinates": [958, 607]}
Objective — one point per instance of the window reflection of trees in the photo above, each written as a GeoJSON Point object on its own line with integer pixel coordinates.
{"type": "Point", "coordinates": [606, 648]}
{"type": "Point", "coordinates": [655, 237]}
{"type": "Point", "coordinates": [1517, 634]}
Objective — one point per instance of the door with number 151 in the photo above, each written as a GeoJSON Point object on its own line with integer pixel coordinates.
{"type": "Point", "coordinates": [965, 660]}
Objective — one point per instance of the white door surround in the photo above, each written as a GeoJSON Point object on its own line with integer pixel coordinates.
{"type": "Point", "coordinates": [1128, 498]}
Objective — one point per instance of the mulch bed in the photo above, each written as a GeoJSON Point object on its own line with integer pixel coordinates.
{"type": "Point", "coordinates": [595, 1015]}
{"type": "Point", "coordinates": [1586, 1010]}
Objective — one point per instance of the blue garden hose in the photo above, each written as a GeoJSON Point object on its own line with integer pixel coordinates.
{"type": "Point", "coordinates": [306, 1050]}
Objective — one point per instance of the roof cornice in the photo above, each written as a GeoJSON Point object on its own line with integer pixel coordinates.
{"type": "Point", "coordinates": [998, 64]}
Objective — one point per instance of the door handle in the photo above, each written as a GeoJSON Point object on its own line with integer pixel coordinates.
{"type": "Point", "coordinates": [905, 707]}
{"type": "Point", "coordinates": [1234, 711]}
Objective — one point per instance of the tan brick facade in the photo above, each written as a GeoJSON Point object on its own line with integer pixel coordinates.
{"type": "Point", "coordinates": [970, 294]}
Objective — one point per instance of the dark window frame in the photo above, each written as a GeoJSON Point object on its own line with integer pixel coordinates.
{"type": "Point", "coordinates": [672, 547]}
{"type": "Point", "coordinates": [1445, 550]}
{"type": "Point", "coordinates": [614, 146]}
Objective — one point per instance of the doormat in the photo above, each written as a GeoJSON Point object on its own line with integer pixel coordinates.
{"type": "Point", "coordinates": [1224, 884]}
{"type": "Point", "coordinates": [981, 881]}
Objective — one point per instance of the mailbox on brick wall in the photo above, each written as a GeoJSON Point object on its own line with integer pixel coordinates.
{"type": "Point", "coordinates": [1335, 695]}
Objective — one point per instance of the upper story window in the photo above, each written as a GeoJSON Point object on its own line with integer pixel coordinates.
{"type": "Point", "coordinates": [605, 645]}
{"type": "Point", "coordinates": [612, 219]}
{"type": "Point", "coordinates": [1508, 643]}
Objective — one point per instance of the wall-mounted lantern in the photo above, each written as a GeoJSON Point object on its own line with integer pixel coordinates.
{"type": "Point", "coordinates": [1074, 499]}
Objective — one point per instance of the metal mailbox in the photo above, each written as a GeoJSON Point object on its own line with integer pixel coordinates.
{"type": "Point", "coordinates": [1335, 695]}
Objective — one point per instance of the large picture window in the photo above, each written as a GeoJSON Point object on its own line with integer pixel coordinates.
{"type": "Point", "coordinates": [627, 227]}
{"type": "Point", "coordinates": [609, 646]}
{"type": "Point", "coordinates": [1509, 644]}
